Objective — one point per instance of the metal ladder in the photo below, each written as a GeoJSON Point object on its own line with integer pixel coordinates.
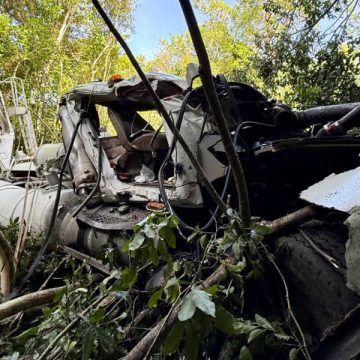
{"type": "Point", "coordinates": [18, 110]}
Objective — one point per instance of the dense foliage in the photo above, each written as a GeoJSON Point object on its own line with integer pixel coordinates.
{"type": "Point", "coordinates": [304, 53]}
{"type": "Point", "coordinates": [55, 45]}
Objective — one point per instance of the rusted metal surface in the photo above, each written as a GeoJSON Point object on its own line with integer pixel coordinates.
{"type": "Point", "coordinates": [112, 218]}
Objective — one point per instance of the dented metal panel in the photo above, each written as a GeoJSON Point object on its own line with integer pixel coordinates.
{"type": "Point", "coordinates": [187, 189]}
{"type": "Point", "coordinates": [337, 191]}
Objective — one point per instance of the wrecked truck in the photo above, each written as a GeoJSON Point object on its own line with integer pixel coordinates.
{"type": "Point", "coordinates": [299, 165]}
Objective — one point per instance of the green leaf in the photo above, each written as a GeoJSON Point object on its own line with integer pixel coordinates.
{"type": "Point", "coordinates": [155, 297]}
{"type": "Point", "coordinates": [172, 289]}
{"type": "Point", "coordinates": [173, 221]}
{"type": "Point", "coordinates": [212, 290]}
{"type": "Point", "coordinates": [137, 240]}
{"type": "Point", "coordinates": [239, 267]}
{"type": "Point", "coordinates": [254, 334]}
{"type": "Point", "coordinates": [293, 354]}
{"type": "Point", "coordinates": [281, 336]}
{"type": "Point", "coordinates": [150, 231]}
{"type": "Point", "coordinates": [245, 354]}
{"type": "Point", "coordinates": [203, 301]}
{"type": "Point", "coordinates": [236, 250]}
{"type": "Point", "coordinates": [154, 257]}
{"type": "Point", "coordinates": [25, 335]}
{"type": "Point", "coordinates": [174, 338]}
{"type": "Point", "coordinates": [263, 322]}
{"type": "Point", "coordinates": [128, 277]}
{"type": "Point", "coordinates": [97, 316]}
{"type": "Point", "coordinates": [187, 309]}
{"type": "Point", "coordinates": [163, 249]}
{"type": "Point", "coordinates": [262, 229]}
{"type": "Point", "coordinates": [224, 321]}
{"type": "Point", "coordinates": [88, 344]}
{"type": "Point", "coordinates": [170, 237]}
{"type": "Point", "coordinates": [192, 237]}
{"type": "Point", "coordinates": [243, 327]}
{"type": "Point", "coordinates": [59, 295]}
{"type": "Point", "coordinates": [203, 241]}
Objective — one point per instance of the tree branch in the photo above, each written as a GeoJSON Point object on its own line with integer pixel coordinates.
{"type": "Point", "coordinates": [214, 103]}
{"type": "Point", "coordinates": [28, 301]}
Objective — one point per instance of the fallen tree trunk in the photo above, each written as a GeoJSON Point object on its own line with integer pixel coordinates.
{"type": "Point", "coordinates": [28, 301]}
{"type": "Point", "coordinates": [154, 337]}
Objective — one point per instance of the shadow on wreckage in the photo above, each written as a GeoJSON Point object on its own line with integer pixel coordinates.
{"type": "Point", "coordinates": [119, 179]}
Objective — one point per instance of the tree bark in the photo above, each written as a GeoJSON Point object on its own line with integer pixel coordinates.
{"type": "Point", "coordinates": [291, 220]}
{"type": "Point", "coordinates": [28, 301]}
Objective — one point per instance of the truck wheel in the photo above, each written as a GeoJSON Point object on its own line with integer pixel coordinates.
{"type": "Point", "coordinates": [318, 290]}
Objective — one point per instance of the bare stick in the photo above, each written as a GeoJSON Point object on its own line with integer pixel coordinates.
{"type": "Point", "coordinates": [291, 220]}
{"type": "Point", "coordinates": [6, 266]}
{"type": "Point", "coordinates": [28, 301]}
{"type": "Point", "coordinates": [43, 286]}
{"type": "Point", "coordinates": [160, 107]}
{"type": "Point", "coordinates": [214, 103]}
{"type": "Point", "coordinates": [157, 332]}
{"type": "Point", "coordinates": [302, 343]}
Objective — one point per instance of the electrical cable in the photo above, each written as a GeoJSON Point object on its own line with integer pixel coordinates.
{"type": "Point", "coordinates": [46, 241]}
{"type": "Point", "coordinates": [153, 153]}
{"type": "Point", "coordinates": [255, 123]}
{"type": "Point", "coordinates": [231, 96]}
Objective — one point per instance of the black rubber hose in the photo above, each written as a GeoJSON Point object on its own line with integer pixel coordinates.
{"type": "Point", "coordinates": [231, 96]}
{"type": "Point", "coordinates": [153, 153]}
{"type": "Point", "coordinates": [255, 123]}
{"type": "Point", "coordinates": [46, 242]}
{"type": "Point", "coordinates": [342, 125]}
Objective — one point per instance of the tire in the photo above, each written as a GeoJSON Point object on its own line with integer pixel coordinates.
{"type": "Point", "coordinates": [318, 292]}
